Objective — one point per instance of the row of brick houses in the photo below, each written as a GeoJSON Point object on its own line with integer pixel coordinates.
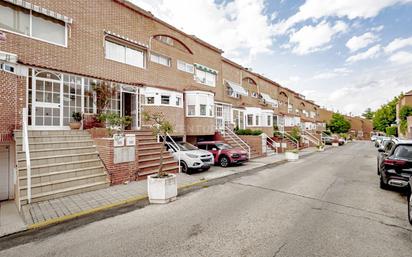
{"type": "Point", "coordinates": [53, 52]}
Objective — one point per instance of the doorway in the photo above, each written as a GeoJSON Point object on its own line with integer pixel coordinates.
{"type": "Point", "coordinates": [130, 106]}
{"type": "Point", "coordinates": [4, 172]}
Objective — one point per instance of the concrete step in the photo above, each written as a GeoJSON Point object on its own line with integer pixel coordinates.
{"type": "Point", "coordinates": [46, 168]}
{"type": "Point", "coordinates": [61, 174]}
{"type": "Point", "coordinates": [18, 133]}
{"type": "Point", "coordinates": [45, 187]}
{"type": "Point", "coordinates": [53, 159]}
{"type": "Point", "coordinates": [65, 192]}
{"type": "Point", "coordinates": [170, 169]}
{"type": "Point", "coordinates": [56, 151]}
{"type": "Point", "coordinates": [154, 157]}
{"type": "Point", "coordinates": [71, 137]}
{"type": "Point", "coordinates": [57, 144]}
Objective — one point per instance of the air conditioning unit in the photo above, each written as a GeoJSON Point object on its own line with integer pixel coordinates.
{"type": "Point", "coordinates": [8, 67]}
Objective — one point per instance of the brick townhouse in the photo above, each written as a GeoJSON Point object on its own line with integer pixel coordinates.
{"type": "Point", "coordinates": [54, 52]}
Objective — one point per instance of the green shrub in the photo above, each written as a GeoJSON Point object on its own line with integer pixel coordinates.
{"type": "Point", "coordinates": [248, 132]}
{"type": "Point", "coordinates": [391, 131]}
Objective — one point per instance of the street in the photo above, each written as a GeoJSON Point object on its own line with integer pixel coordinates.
{"type": "Point", "coordinates": [326, 204]}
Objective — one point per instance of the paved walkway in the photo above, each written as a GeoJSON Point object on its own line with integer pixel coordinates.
{"type": "Point", "coordinates": [10, 219]}
{"type": "Point", "coordinates": [37, 214]}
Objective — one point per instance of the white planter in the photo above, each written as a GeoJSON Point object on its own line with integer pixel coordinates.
{"type": "Point", "coordinates": [335, 144]}
{"type": "Point", "coordinates": [162, 190]}
{"type": "Point", "coordinates": [291, 156]}
{"type": "Point", "coordinates": [321, 149]}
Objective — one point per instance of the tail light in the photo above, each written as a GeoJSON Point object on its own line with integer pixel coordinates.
{"type": "Point", "coordinates": [394, 162]}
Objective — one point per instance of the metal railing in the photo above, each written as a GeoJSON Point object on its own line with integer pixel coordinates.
{"type": "Point", "coordinates": [288, 136]}
{"type": "Point", "coordinates": [26, 150]}
{"type": "Point", "coordinates": [235, 138]}
{"type": "Point", "coordinates": [272, 143]}
{"type": "Point", "coordinates": [309, 136]}
{"type": "Point", "coordinates": [172, 144]}
{"type": "Point", "coordinates": [323, 135]}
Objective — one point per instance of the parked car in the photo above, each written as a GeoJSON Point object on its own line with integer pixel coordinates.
{"type": "Point", "coordinates": [380, 139]}
{"type": "Point", "coordinates": [373, 137]}
{"type": "Point", "coordinates": [383, 151]}
{"type": "Point", "coordinates": [327, 140]}
{"type": "Point", "coordinates": [396, 167]}
{"type": "Point", "coordinates": [410, 201]}
{"type": "Point", "coordinates": [224, 154]}
{"type": "Point", "coordinates": [191, 157]}
{"type": "Point", "coordinates": [341, 141]}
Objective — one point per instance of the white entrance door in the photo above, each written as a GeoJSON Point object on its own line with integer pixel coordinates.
{"type": "Point", "coordinates": [4, 172]}
{"type": "Point", "coordinates": [47, 102]}
{"type": "Point", "coordinates": [130, 101]}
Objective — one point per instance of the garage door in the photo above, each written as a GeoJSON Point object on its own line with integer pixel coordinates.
{"type": "Point", "coordinates": [4, 172]}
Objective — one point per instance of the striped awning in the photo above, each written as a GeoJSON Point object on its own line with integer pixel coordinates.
{"type": "Point", "coordinates": [236, 88]}
{"type": "Point", "coordinates": [269, 99]}
{"type": "Point", "coordinates": [204, 68]}
{"type": "Point", "coordinates": [38, 9]}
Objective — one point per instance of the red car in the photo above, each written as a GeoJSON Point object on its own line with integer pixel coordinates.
{"type": "Point", "coordinates": [224, 154]}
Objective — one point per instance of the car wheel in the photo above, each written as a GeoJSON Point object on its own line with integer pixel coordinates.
{"type": "Point", "coordinates": [206, 169]}
{"type": "Point", "coordinates": [224, 161]}
{"type": "Point", "coordinates": [382, 184]}
{"type": "Point", "coordinates": [184, 168]}
{"type": "Point", "coordinates": [410, 208]}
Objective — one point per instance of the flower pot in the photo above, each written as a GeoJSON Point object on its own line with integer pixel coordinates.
{"type": "Point", "coordinates": [291, 156]}
{"type": "Point", "coordinates": [322, 149]}
{"type": "Point", "coordinates": [335, 144]}
{"type": "Point", "coordinates": [75, 125]}
{"type": "Point", "coordinates": [162, 190]}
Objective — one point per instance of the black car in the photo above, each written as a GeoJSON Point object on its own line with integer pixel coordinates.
{"type": "Point", "coordinates": [410, 201]}
{"type": "Point", "coordinates": [383, 151]}
{"type": "Point", "coordinates": [396, 165]}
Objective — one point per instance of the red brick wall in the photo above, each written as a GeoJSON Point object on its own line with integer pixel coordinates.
{"type": "Point", "coordinates": [12, 100]}
{"type": "Point", "coordinates": [254, 142]}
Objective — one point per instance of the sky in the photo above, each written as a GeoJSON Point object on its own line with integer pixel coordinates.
{"type": "Point", "coordinates": [346, 55]}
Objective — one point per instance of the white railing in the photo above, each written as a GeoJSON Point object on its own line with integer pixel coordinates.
{"type": "Point", "coordinates": [311, 137]}
{"type": "Point", "coordinates": [175, 147]}
{"type": "Point", "coordinates": [289, 137]}
{"type": "Point", "coordinates": [26, 150]}
{"type": "Point", "coordinates": [235, 138]}
{"type": "Point", "coordinates": [323, 135]}
{"type": "Point", "coordinates": [272, 143]}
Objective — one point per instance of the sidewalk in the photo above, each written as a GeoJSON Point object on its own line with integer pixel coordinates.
{"type": "Point", "coordinates": [41, 214]}
{"type": "Point", "coordinates": [10, 219]}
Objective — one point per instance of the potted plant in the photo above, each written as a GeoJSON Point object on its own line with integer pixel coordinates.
{"type": "Point", "coordinates": [292, 155]}
{"type": "Point", "coordinates": [115, 123]}
{"type": "Point", "coordinates": [77, 118]}
{"type": "Point", "coordinates": [335, 142]}
{"type": "Point", "coordinates": [320, 147]}
{"type": "Point", "coordinates": [161, 187]}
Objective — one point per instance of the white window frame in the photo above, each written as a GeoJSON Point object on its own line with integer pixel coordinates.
{"type": "Point", "coordinates": [153, 59]}
{"type": "Point", "coordinates": [189, 68]}
{"type": "Point", "coordinates": [157, 93]}
{"type": "Point", "coordinates": [204, 80]}
{"type": "Point", "coordinates": [125, 47]}
{"type": "Point", "coordinates": [195, 98]}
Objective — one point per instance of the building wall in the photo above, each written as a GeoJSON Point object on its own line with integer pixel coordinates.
{"type": "Point", "coordinates": [176, 116]}
{"type": "Point", "coordinates": [324, 115]}
{"type": "Point", "coordinates": [200, 126]}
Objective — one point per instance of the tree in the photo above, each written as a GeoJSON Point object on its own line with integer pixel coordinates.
{"type": "Point", "coordinates": [404, 112]}
{"type": "Point", "coordinates": [368, 114]}
{"type": "Point", "coordinates": [338, 124]}
{"type": "Point", "coordinates": [385, 116]}
{"type": "Point", "coordinates": [160, 126]}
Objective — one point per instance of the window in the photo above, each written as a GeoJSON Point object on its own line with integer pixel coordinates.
{"type": "Point", "coordinates": [250, 119]}
{"type": "Point", "coordinates": [200, 104]}
{"type": "Point", "coordinates": [172, 42]}
{"type": "Point", "coordinates": [186, 67]}
{"type": "Point", "coordinates": [160, 59]}
{"type": "Point", "coordinates": [150, 100]}
{"type": "Point", "coordinates": [269, 121]}
{"type": "Point", "coordinates": [191, 110]}
{"type": "Point", "coordinates": [165, 99]}
{"type": "Point", "coordinates": [32, 24]}
{"type": "Point", "coordinates": [124, 54]}
{"type": "Point", "coordinates": [205, 77]}
{"type": "Point", "coordinates": [178, 101]}
{"type": "Point", "coordinates": [257, 121]}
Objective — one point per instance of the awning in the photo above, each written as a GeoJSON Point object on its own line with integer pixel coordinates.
{"type": "Point", "coordinates": [269, 99]}
{"type": "Point", "coordinates": [38, 9]}
{"type": "Point", "coordinates": [236, 88]}
{"type": "Point", "coordinates": [204, 68]}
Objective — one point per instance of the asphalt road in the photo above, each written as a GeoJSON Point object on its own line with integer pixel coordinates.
{"type": "Point", "coordinates": [327, 204]}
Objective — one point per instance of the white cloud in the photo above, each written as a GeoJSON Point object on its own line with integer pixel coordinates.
{"type": "Point", "coordinates": [238, 27]}
{"type": "Point", "coordinates": [333, 74]}
{"type": "Point", "coordinates": [351, 9]}
{"type": "Point", "coordinates": [377, 29]}
{"type": "Point", "coordinates": [401, 57]}
{"type": "Point", "coordinates": [371, 53]}
{"type": "Point", "coordinates": [358, 42]}
{"type": "Point", "coordinates": [397, 44]}
{"type": "Point", "coordinates": [311, 39]}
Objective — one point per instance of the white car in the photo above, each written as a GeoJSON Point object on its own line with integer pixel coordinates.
{"type": "Point", "coordinates": [191, 157]}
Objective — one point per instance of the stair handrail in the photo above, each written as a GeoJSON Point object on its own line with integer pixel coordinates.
{"type": "Point", "coordinates": [26, 150]}
{"type": "Point", "coordinates": [290, 137]}
{"type": "Point", "coordinates": [311, 137]}
{"type": "Point", "coordinates": [270, 141]}
{"type": "Point", "coordinates": [172, 143]}
{"type": "Point", "coordinates": [323, 135]}
{"type": "Point", "coordinates": [235, 137]}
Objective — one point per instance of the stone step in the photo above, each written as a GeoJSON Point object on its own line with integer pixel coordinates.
{"type": "Point", "coordinates": [154, 156]}
{"type": "Point", "coordinates": [144, 145]}
{"type": "Point", "coordinates": [65, 192]}
{"type": "Point", "coordinates": [42, 169]}
{"type": "Point", "coordinates": [170, 169]}
{"type": "Point", "coordinates": [155, 165]}
{"type": "Point", "coordinates": [53, 159]}
{"type": "Point", "coordinates": [57, 144]}
{"type": "Point", "coordinates": [63, 183]}
{"type": "Point", "coordinates": [39, 139]}
{"type": "Point", "coordinates": [18, 133]}
{"type": "Point", "coordinates": [56, 151]}
{"type": "Point", "coordinates": [62, 174]}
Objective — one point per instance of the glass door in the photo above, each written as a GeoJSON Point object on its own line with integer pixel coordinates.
{"type": "Point", "coordinates": [47, 101]}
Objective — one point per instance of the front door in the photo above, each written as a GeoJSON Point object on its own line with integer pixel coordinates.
{"type": "Point", "coordinates": [4, 172]}
{"type": "Point", "coordinates": [47, 101]}
{"type": "Point", "coordinates": [130, 102]}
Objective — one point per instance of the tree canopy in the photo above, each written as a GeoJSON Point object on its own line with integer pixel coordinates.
{"type": "Point", "coordinates": [338, 124]}
{"type": "Point", "coordinates": [385, 116]}
{"type": "Point", "coordinates": [368, 114]}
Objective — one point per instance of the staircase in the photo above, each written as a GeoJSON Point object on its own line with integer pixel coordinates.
{"type": "Point", "coordinates": [271, 148]}
{"type": "Point", "coordinates": [64, 162]}
{"type": "Point", "coordinates": [236, 142]}
{"type": "Point", "coordinates": [291, 142]}
{"type": "Point", "coordinates": [313, 139]}
{"type": "Point", "coordinates": [149, 155]}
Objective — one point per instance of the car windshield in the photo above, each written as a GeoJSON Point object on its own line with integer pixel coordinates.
{"type": "Point", "coordinates": [403, 152]}
{"type": "Point", "coordinates": [222, 146]}
{"type": "Point", "coordinates": [185, 146]}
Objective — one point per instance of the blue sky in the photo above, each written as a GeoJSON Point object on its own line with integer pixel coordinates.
{"type": "Point", "coordinates": [346, 55]}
